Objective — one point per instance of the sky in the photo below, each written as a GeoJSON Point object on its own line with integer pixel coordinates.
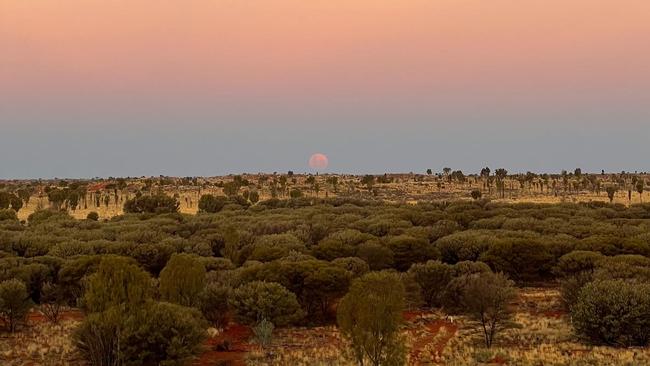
{"type": "Point", "coordinates": [208, 87]}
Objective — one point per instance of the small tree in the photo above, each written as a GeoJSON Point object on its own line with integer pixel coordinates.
{"type": "Point", "coordinates": [370, 316]}
{"type": "Point", "coordinates": [640, 186]}
{"type": "Point", "coordinates": [52, 302]}
{"type": "Point", "coordinates": [182, 280]}
{"type": "Point", "coordinates": [14, 302]}
{"type": "Point", "coordinates": [611, 191]}
{"type": "Point", "coordinates": [485, 298]}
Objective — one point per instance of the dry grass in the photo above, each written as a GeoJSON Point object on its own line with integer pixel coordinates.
{"type": "Point", "coordinates": [40, 344]}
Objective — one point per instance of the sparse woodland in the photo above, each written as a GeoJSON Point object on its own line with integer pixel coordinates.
{"type": "Point", "coordinates": [327, 270]}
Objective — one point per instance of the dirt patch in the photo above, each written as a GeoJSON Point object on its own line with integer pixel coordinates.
{"type": "Point", "coordinates": [228, 348]}
{"type": "Point", "coordinates": [430, 344]}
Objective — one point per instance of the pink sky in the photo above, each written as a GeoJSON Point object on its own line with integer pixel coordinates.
{"type": "Point", "coordinates": [510, 52]}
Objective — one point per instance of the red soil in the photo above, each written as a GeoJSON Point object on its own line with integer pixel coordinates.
{"type": "Point", "coordinates": [236, 336]}
{"type": "Point", "coordinates": [418, 354]}
{"type": "Point", "coordinates": [35, 317]}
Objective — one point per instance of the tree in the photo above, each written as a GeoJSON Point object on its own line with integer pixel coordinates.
{"type": "Point", "coordinates": [613, 312]}
{"type": "Point", "coordinates": [370, 316]}
{"type": "Point", "coordinates": [212, 204]}
{"type": "Point", "coordinates": [485, 299]}
{"type": "Point", "coordinates": [15, 302]}
{"type": "Point", "coordinates": [52, 301]}
{"type": "Point", "coordinates": [157, 204]}
{"type": "Point", "coordinates": [182, 280]}
{"type": "Point", "coordinates": [429, 171]}
{"type": "Point", "coordinates": [611, 191]}
{"type": "Point", "coordinates": [640, 186]}
{"type": "Point", "coordinates": [258, 300]}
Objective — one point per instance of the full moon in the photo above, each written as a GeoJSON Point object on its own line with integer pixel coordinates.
{"type": "Point", "coordinates": [318, 161]}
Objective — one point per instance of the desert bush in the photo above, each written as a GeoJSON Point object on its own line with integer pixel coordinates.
{"type": "Point", "coordinates": [408, 250]}
{"type": "Point", "coordinates": [357, 266]}
{"type": "Point", "coordinates": [258, 300]}
{"type": "Point", "coordinates": [370, 316]}
{"type": "Point", "coordinates": [263, 332]}
{"type": "Point", "coordinates": [155, 333]}
{"type": "Point", "coordinates": [117, 281]}
{"type": "Point", "coordinates": [212, 204]}
{"type": "Point", "coordinates": [433, 277]}
{"type": "Point", "coordinates": [158, 204]}
{"type": "Point", "coordinates": [182, 280]}
{"type": "Point", "coordinates": [615, 312]}
{"type": "Point", "coordinates": [15, 303]}
{"type": "Point", "coordinates": [52, 302]}
{"type": "Point", "coordinates": [92, 216]}
{"type": "Point", "coordinates": [162, 334]}
{"type": "Point", "coordinates": [376, 255]}
{"type": "Point", "coordinates": [213, 303]}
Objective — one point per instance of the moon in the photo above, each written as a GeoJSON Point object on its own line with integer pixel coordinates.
{"type": "Point", "coordinates": [318, 161]}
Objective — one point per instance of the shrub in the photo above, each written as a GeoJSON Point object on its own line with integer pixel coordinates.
{"type": "Point", "coordinates": [433, 278]}
{"type": "Point", "coordinates": [152, 334]}
{"type": "Point", "coordinates": [376, 255]}
{"type": "Point", "coordinates": [158, 204]}
{"type": "Point", "coordinates": [93, 216]}
{"type": "Point", "coordinates": [162, 334]}
{"type": "Point", "coordinates": [14, 303]}
{"type": "Point", "coordinates": [52, 302]}
{"type": "Point", "coordinates": [370, 316]}
{"type": "Point", "coordinates": [357, 266]}
{"type": "Point", "coordinates": [265, 300]}
{"type": "Point", "coordinates": [212, 204]}
{"type": "Point", "coordinates": [614, 313]}
{"type": "Point", "coordinates": [118, 281]}
{"type": "Point", "coordinates": [182, 280]}
{"type": "Point", "coordinates": [213, 303]}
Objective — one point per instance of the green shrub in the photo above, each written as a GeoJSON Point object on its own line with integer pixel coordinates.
{"type": "Point", "coordinates": [15, 303]}
{"type": "Point", "coordinates": [213, 303]}
{"type": "Point", "coordinates": [182, 280]}
{"type": "Point", "coordinates": [258, 300]}
{"type": "Point", "coordinates": [614, 313]}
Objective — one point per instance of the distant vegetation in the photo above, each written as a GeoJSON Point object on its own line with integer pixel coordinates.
{"type": "Point", "coordinates": [151, 281]}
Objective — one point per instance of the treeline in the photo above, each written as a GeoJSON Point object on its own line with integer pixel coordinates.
{"type": "Point", "coordinates": [286, 262]}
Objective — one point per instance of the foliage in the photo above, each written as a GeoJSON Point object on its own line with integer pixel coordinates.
{"type": "Point", "coordinates": [258, 300]}
{"type": "Point", "coordinates": [485, 299]}
{"type": "Point", "coordinates": [158, 204]}
{"type": "Point", "coordinates": [614, 312]}
{"type": "Point", "coordinates": [182, 280]}
{"type": "Point", "coordinates": [14, 303]}
{"type": "Point", "coordinates": [370, 316]}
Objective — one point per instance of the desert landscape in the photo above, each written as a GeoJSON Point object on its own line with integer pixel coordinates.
{"type": "Point", "coordinates": [324, 183]}
{"type": "Point", "coordinates": [259, 270]}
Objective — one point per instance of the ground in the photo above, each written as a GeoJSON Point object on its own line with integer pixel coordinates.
{"type": "Point", "coordinates": [541, 336]}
